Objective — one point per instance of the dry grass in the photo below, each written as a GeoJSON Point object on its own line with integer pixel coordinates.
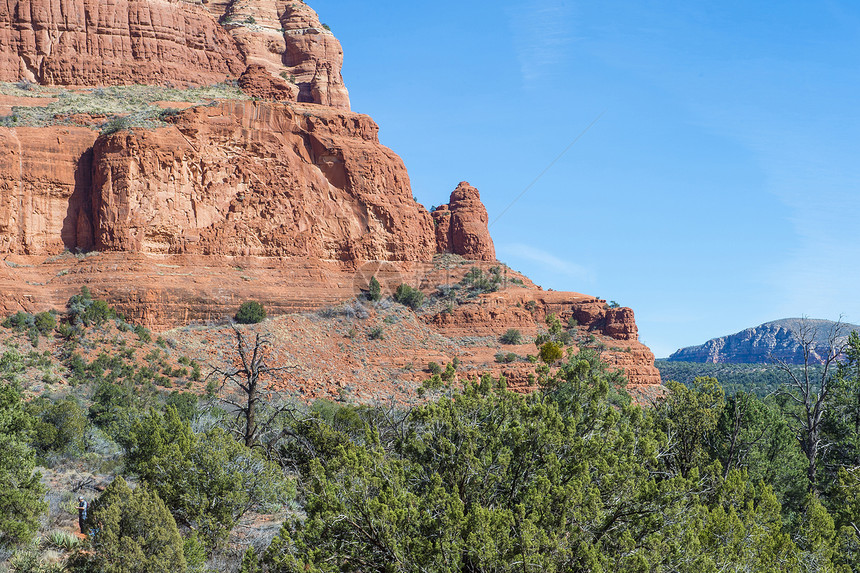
{"type": "Point", "coordinates": [120, 106]}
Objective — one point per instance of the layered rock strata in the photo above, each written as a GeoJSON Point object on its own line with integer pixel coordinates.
{"type": "Point", "coordinates": [91, 42]}
{"type": "Point", "coordinates": [180, 42]}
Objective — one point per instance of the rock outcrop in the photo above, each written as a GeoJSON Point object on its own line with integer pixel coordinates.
{"type": "Point", "coordinates": [45, 185]}
{"type": "Point", "coordinates": [91, 42]}
{"type": "Point", "coordinates": [261, 179]}
{"type": "Point", "coordinates": [461, 225]}
{"type": "Point", "coordinates": [777, 339]}
{"type": "Point", "coordinates": [313, 57]}
{"type": "Point", "coordinates": [526, 309]}
{"type": "Point", "coordinates": [259, 83]}
{"type": "Point", "coordinates": [181, 42]}
{"type": "Point", "coordinates": [289, 41]}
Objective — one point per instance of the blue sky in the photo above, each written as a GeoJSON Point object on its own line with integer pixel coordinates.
{"type": "Point", "coordinates": [718, 188]}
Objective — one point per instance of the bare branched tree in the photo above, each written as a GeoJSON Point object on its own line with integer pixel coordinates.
{"type": "Point", "coordinates": [247, 377]}
{"type": "Point", "coordinates": [810, 387]}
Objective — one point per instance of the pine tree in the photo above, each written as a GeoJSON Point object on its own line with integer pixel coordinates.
{"type": "Point", "coordinates": [374, 290]}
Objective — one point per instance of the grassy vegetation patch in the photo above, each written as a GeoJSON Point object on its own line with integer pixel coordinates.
{"type": "Point", "coordinates": [121, 106]}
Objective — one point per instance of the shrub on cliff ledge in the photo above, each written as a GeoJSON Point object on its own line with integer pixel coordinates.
{"type": "Point", "coordinates": [374, 290]}
{"type": "Point", "coordinates": [511, 336]}
{"type": "Point", "coordinates": [551, 352]}
{"type": "Point", "coordinates": [408, 296]}
{"type": "Point", "coordinates": [251, 312]}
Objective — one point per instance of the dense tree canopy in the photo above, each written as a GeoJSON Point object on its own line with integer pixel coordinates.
{"type": "Point", "coordinates": [573, 478]}
{"type": "Point", "coordinates": [208, 479]}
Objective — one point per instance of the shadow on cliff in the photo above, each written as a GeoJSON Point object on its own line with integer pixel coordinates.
{"type": "Point", "coordinates": [77, 232]}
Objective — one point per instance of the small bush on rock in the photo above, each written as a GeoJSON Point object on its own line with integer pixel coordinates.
{"type": "Point", "coordinates": [251, 312]}
{"type": "Point", "coordinates": [408, 296]}
{"type": "Point", "coordinates": [511, 336]}
{"type": "Point", "coordinates": [506, 358]}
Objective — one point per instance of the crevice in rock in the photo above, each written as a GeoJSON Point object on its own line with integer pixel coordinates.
{"type": "Point", "coordinates": [78, 230]}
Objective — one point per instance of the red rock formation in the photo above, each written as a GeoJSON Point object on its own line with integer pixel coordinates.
{"type": "Point", "coordinates": [526, 309]}
{"type": "Point", "coordinates": [45, 189]}
{"type": "Point", "coordinates": [258, 83]}
{"type": "Point", "coordinates": [91, 42]}
{"type": "Point", "coordinates": [292, 204]}
{"type": "Point", "coordinates": [287, 38]}
{"type": "Point", "coordinates": [461, 225]}
{"type": "Point", "coordinates": [262, 179]}
{"type": "Point", "coordinates": [442, 222]}
{"type": "Point", "coordinates": [314, 57]}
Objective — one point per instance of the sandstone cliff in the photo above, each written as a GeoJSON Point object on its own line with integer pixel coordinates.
{"type": "Point", "coordinates": [289, 41]}
{"type": "Point", "coordinates": [45, 187]}
{"type": "Point", "coordinates": [262, 179]}
{"type": "Point", "coordinates": [91, 43]}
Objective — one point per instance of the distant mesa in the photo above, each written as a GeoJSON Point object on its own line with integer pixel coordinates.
{"type": "Point", "coordinates": [760, 344]}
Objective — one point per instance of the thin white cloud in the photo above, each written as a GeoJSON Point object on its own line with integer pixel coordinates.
{"type": "Point", "coordinates": [520, 252]}
{"type": "Point", "coordinates": [543, 29]}
{"type": "Point", "coordinates": [803, 148]}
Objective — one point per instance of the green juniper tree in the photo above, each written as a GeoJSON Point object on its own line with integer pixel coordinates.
{"type": "Point", "coordinates": [132, 532]}
{"type": "Point", "coordinates": [21, 490]}
{"type": "Point", "coordinates": [208, 480]}
{"type": "Point", "coordinates": [374, 289]}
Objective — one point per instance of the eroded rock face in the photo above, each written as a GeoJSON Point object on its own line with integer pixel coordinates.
{"type": "Point", "coordinates": [259, 83]}
{"type": "Point", "coordinates": [92, 42]}
{"type": "Point", "coordinates": [526, 309]}
{"type": "Point", "coordinates": [45, 182]}
{"type": "Point", "coordinates": [261, 179]}
{"type": "Point", "coordinates": [314, 57]}
{"type": "Point", "coordinates": [461, 225]}
{"type": "Point", "coordinates": [181, 42]}
{"type": "Point", "coordinates": [290, 201]}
